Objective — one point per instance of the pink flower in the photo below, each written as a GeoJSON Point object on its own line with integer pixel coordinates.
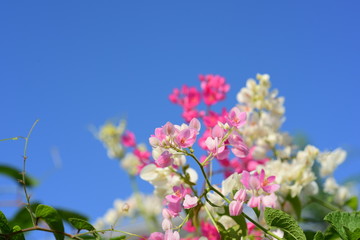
{"type": "Point", "coordinates": [269, 200]}
{"type": "Point", "coordinates": [164, 160]}
{"type": "Point", "coordinates": [214, 146]}
{"type": "Point", "coordinates": [235, 118]}
{"type": "Point", "coordinates": [254, 201]}
{"type": "Point", "coordinates": [239, 148]}
{"type": "Point", "coordinates": [235, 208]}
{"type": "Point", "coordinates": [250, 162]}
{"type": "Point", "coordinates": [186, 138]}
{"type": "Point", "coordinates": [174, 200]}
{"type": "Point", "coordinates": [190, 202]}
{"type": "Point", "coordinates": [218, 132]}
{"type": "Point", "coordinates": [251, 182]}
{"type": "Point", "coordinates": [195, 124]}
{"type": "Point", "coordinates": [170, 235]}
{"type": "Point", "coordinates": [128, 139]}
{"type": "Point", "coordinates": [256, 181]}
{"type": "Point", "coordinates": [240, 195]}
{"type": "Point", "coordinates": [156, 236]}
{"type": "Point", "coordinates": [203, 138]}
{"type": "Point", "coordinates": [166, 224]}
{"type": "Point", "coordinates": [266, 183]}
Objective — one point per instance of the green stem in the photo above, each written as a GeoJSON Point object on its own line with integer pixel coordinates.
{"type": "Point", "coordinates": [28, 207]}
{"type": "Point", "coordinates": [267, 231]}
{"type": "Point", "coordinates": [211, 218]}
{"type": "Point", "coordinates": [14, 138]}
{"type": "Point", "coordinates": [206, 178]}
{"type": "Point", "coordinates": [325, 204]}
{"type": "Point", "coordinates": [37, 228]}
{"type": "Point", "coordinates": [184, 221]}
{"type": "Point", "coordinates": [108, 230]}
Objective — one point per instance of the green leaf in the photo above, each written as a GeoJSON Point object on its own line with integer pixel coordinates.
{"type": "Point", "coordinates": [352, 235]}
{"type": "Point", "coordinates": [66, 214]}
{"type": "Point", "coordinates": [309, 235]}
{"type": "Point", "coordinates": [118, 238]}
{"type": "Point", "coordinates": [52, 218]}
{"type": "Point", "coordinates": [15, 174]}
{"type": "Point", "coordinates": [19, 236]}
{"type": "Point", "coordinates": [257, 211]}
{"type": "Point", "coordinates": [242, 223]}
{"type": "Point", "coordinates": [331, 234]}
{"type": "Point", "coordinates": [353, 203]}
{"type": "Point", "coordinates": [279, 219]}
{"type": "Point", "coordinates": [296, 204]}
{"type": "Point", "coordinates": [4, 224]}
{"type": "Point", "coordinates": [340, 219]}
{"type": "Point", "coordinates": [81, 224]}
{"type": "Point", "coordinates": [319, 236]}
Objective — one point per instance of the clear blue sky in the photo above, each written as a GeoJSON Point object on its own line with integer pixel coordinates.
{"type": "Point", "coordinates": [73, 64]}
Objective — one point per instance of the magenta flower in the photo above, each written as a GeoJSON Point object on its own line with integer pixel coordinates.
{"type": "Point", "coordinates": [128, 139]}
{"type": "Point", "coordinates": [214, 88]}
{"type": "Point", "coordinates": [212, 118]}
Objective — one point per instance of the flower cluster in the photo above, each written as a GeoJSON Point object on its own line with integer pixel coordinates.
{"type": "Point", "coordinates": [261, 165]}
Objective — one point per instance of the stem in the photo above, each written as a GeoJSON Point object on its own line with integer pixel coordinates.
{"type": "Point", "coordinates": [211, 218]}
{"type": "Point", "coordinates": [267, 231]}
{"type": "Point", "coordinates": [184, 221]}
{"type": "Point", "coordinates": [14, 138]}
{"type": "Point", "coordinates": [40, 229]}
{"type": "Point", "coordinates": [28, 207]}
{"type": "Point", "coordinates": [325, 204]}
{"type": "Point", "coordinates": [107, 230]}
{"type": "Point", "coordinates": [206, 178]}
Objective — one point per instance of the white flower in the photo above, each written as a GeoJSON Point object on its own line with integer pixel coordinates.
{"type": "Point", "coordinates": [227, 222]}
{"type": "Point", "coordinates": [130, 163]}
{"type": "Point", "coordinates": [330, 185]}
{"type": "Point", "coordinates": [330, 161]}
{"type": "Point", "coordinates": [230, 183]}
{"type": "Point", "coordinates": [192, 174]}
{"type": "Point", "coordinates": [111, 216]}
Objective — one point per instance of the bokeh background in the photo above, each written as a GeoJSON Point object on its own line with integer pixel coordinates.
{"type": "Point", "coordinates": [76, 64]}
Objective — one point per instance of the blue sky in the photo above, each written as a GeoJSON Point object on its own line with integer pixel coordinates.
{"type": "Point", "coordinates": [75, 64]}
